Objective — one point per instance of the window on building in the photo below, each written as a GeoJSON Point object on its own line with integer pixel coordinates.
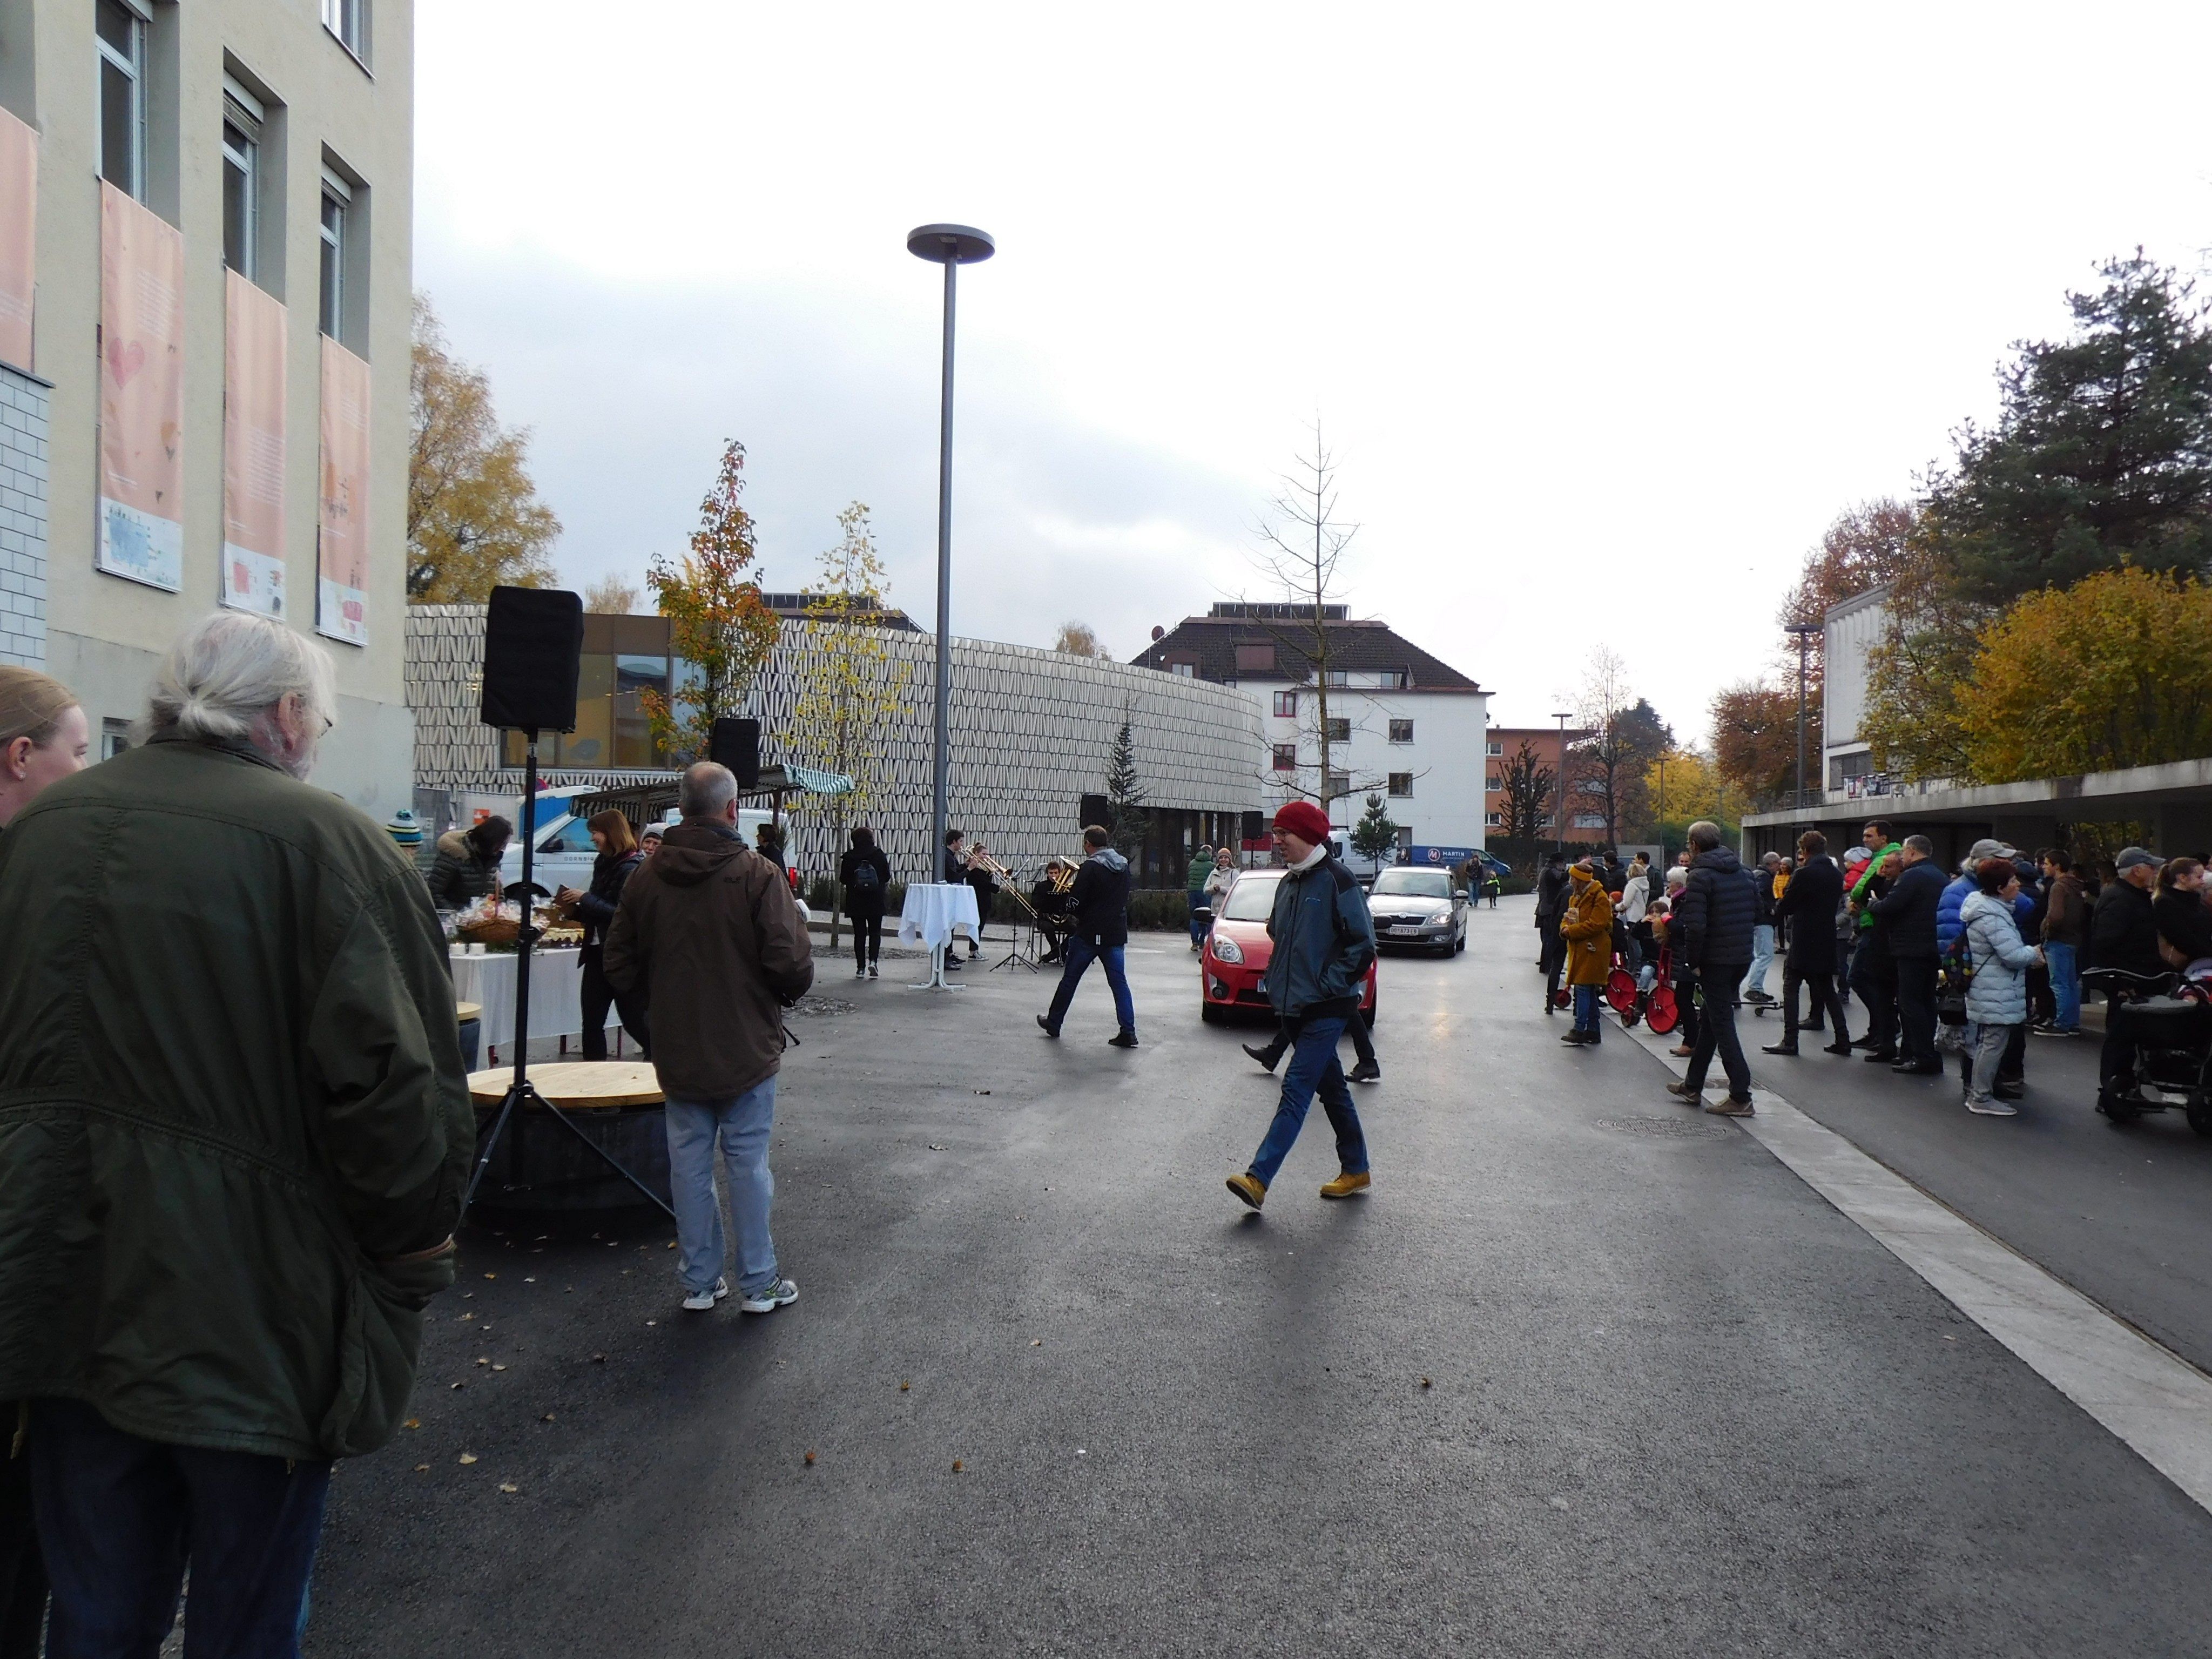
{"type": "Point", "coordinates": [1492, 784]}
{"type": "Point", "coordinates": [1338, 677]}
{"type": "Point", "coordinates": [1188, 670]}
{"type": "Point", "coordinates": [1255, 658]}
{"type": "Point", "coordinates": [122, 36]}
{"type": "Point", "coordinates": [1493, 820]}
{"type": "Point", "coordinates": [1401, 783]}
{"type": "Point", "coordinates": [1391, 679]}
{"type": "Point", "coordinates": [1497, 749]}
{"type": "Point", "coordinates": [1286, 705]}
{"type": "Point", "coordinates": [1339, 730]}
{"type": "Point", "coordinates": [241, 181]}
{"type": "Point", "coordinates": [1589, 820]}
{"type": "Point", "coordinates": [348, 21]}
{"type": "Point", "coordinates": [1543, 820]}
{"type": "Point", "coordinates": [338, 205]}
{"type": "Point", "coordinates": [1335, 784]}
{"type": "Point", "coordinates": [1402, 730]}
{"type": "Point", "coordinates": [1286, 757]}
{"type": "Point", "coordinates": [114, 738]}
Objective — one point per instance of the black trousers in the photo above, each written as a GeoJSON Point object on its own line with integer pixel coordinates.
{"type": "Point", "coordinates": [1687, 1025]}
{"type": "Point", "coordinates": [1827, 999]}
{"type": "Point", "coordinates": [1555, 963]}
{"type": "Point", "coordinates": [23, 1573]}
{"type": "Point", "coordinates": [867, 937]}
{"type": "Point", "coordinates": [1358, 1029]}
{"type": "Point", "coordinates": [597, 995]}
{"type": "Point", "coordinates": [1874, 981]}
{"type": "Point", "coordinates": [1717, 1032]}
{"type": "Point", "coordinates": [1916, 1008]}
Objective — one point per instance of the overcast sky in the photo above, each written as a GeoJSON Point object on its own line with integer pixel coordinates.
{"type": "Point", "coordinates": [1606, 311]}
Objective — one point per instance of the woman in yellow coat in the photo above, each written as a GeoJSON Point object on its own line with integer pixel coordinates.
{"type": "Point", "coordinates": [1586, 926]}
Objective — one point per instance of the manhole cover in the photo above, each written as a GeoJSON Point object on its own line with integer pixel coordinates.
{"type": "Point", "coordinates": [1665, 1128]}
{"type": "Point", "coordinates": [822, 1005]}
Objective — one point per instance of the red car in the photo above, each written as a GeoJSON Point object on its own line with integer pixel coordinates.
{"type": "Point", "coordinates": [1235, 961]}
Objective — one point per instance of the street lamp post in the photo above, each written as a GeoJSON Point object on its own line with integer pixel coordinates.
{"type": "Point", "coordinates": [1804, 631]}
{"type": "Point", "coordinates": [1559, 818]}
{"type": "Point", "coordinates": [952, 247]}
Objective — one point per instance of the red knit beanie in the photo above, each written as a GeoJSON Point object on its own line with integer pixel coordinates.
{"type": "Point", "coordinates": [1304, 820]}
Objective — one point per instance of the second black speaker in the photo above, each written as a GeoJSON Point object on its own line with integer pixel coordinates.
{"type": "Point", "coordinates": [736, 743]}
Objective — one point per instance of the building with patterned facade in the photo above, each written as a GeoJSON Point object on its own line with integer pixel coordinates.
{"type": "Point", "coordinates": [205, 285]}
{"type": "Point", "coordinates": [1030, 734]}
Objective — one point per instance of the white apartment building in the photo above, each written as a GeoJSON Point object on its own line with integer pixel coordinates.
{"type": "Point", "coordinates": [204, 315]}
{"type": "Point", "coordinates": [1407, 726]}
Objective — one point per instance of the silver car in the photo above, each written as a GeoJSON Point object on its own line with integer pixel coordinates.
{"type": "Point", "coordinates": [1419, 907]}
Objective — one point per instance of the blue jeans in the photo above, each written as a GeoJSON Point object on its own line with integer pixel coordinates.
{"type": "Point", "coordinates": [2065, 984]}
{"type": "Point", "coordinates": [1762, 958]}
{"type": "Point", "coordinates": [1586, 998]}
{"type": "Point", "coordinates": [743, 1124]}
{"type": "Point", "coordinates": [119, 1518]}
{"type": "Point", "coordinates": [1081, 953]}
{"type": "Point", "coordinates": [1313, 1067]}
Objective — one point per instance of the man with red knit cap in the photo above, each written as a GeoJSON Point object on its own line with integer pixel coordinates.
{"type": "Point", "coordinates": [1324, 940]}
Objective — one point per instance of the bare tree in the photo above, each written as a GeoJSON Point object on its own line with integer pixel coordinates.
{"type": "Point", "coordinates": [1303, 544]}
{"type": "Point", "coordinates": [1613, 757]}
{"type": "Point", "coordinates": [1525, 787]}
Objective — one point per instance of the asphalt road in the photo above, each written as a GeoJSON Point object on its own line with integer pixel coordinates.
{"type": "Point", "coordinates": [1586, 1373]}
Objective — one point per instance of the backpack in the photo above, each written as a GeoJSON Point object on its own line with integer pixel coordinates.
{"type": "Point", "coordinates": [865, 883]}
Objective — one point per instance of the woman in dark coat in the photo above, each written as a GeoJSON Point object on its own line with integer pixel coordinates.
{"type": "Point", "coordinates": [618, 859]}
{"type": "Point", "coordinates": [865, 875]}
{"type": "Point", "coordinates": [1807, 907]}
{"type": "Point", "coordinates": [467, 867]}
{"type": "Point", "coordinates": [2184, 926]}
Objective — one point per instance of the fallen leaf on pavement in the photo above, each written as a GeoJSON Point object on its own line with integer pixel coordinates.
{"type": "Point", "coordinates": [548, 1418]}
{"type": "Point", "coordinates": [957, 1465]}
{"type": "Point", "coordinates": [903, 1387]}
{"type": "Point", "coordinates": [414, 1422]}
{"type": "Point", "coordinates": [934, 1147]}
{"type": "Point", "coordinates": [484, 1361]}
{"type": "Point", "coordinates": [982, 1091]}
{"type": "Point", "coordinates": [1037, 1342]}
{"type": "Point", "coordinates": [652, 1321]}
{"type": "Point", "coordinates": [499, 1368]}
{"type": "Point", "coordinates": [460, 1385]}
{"type": "Point", "coordinates": [1425, 1383]}
{"type": "Point", "coordinates": [422, 1469]}
{"type": "Point", "coordinates": [809, 1460]}
{"type": "Point", "coordinates": [600, 1358]}
{"type": "Point", "coordinates": [468, 1457]}
{"type": "Point", "coordinates": [509, 1485]}
{"type": "Point", "coordinates": [491, 1275]}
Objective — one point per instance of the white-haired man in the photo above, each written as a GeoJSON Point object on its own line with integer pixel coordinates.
{"type": "Point", "coordinates": [235, 1133]}
{"type": "Point", "coordinates": [708, 934]}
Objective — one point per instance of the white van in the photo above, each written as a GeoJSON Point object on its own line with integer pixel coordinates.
{"type": "Point", "coordinates": [564, 842]}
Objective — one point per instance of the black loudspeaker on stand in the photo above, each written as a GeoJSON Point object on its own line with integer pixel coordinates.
{"type": "Point", "coordinates": [533, 653]}
{"type": "Point", "coordinates": [736, 743]}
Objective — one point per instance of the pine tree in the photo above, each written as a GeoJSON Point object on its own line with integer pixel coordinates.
{"type": "Point", "coordinates": [1126, 821]}
{"type": "Point", "coordinates": [1375, 836]}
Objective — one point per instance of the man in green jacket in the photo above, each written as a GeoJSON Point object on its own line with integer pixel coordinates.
{"type": "Point", "coordinates": [1193, 882]}
{"type": "Point", "coordinates": [234, 1133]}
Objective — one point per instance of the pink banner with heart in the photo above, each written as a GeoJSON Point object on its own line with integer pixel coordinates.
{"type": "Point", "coordinates": [19, 238]}
{"type": "Point", "coordinates": [341, 519]}
{"type": "Point", "coordinates": [142, 393]}
{"type": "Point", "coordinates": [252, 448]}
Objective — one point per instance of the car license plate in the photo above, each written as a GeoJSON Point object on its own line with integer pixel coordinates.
{"type": "Point", "coordinates": [1396, 932]}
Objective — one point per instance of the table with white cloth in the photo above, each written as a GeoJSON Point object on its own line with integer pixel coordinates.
{"type": "Point", "coordinates": [934, 909]}
{"type": "Point", "coordinates": [556, 997]}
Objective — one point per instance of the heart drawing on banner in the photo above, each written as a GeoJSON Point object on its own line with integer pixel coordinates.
{"type": "Point", "coordinates": [125, 361]}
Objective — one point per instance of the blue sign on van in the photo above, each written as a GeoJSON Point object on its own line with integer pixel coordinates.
{"type": "Point", "coordinates": [1443, 857]}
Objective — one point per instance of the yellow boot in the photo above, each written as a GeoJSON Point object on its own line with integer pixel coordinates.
{"type": "Point", "coordinates": [1250, 1188]}
{"type": "Point", "coordinates": [1345, 1185]}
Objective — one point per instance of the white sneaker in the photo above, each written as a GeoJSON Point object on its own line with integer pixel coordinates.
{"type": "Point", "coordinates": [769, 1300]}
{"type": "Point", "coordinates": [1993, 1107]}
{"type": "Point", "coordinates": [699, 1301]}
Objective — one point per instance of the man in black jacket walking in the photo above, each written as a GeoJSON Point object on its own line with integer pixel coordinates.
{"type": "Point", "coordinates": [1551, 905]}
{"type": "Point", "coordinates": [1101, 895]}
{"type": "Point", "coordinates": [1905, 917]}
{"type": "Point", "coordinates": [1713, 921]}
{"type": "Point", "coordinates": [1808, 909]}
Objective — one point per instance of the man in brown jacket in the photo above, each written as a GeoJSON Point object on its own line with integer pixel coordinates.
{"type": "Point", "coordinates": [708, 932]}
{"type": "Point", "coordinates": [2065, 931]}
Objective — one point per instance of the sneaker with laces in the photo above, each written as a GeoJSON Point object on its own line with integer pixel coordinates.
{"type": "Point", "coordinates": [770, 1297]}
{"type": "Point", "coordinates": [1992, 1108]}
{"type": "Point", "coordinates": [699, 1301]}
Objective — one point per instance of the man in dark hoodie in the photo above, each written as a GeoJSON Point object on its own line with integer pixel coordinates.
{"type": "Point", "coordinates": [1713, 920]}
{"type": "Point", "coordinates": [1101, 897]}
{"type": "Point", "coordinates": [1905, 919]}
{"type": "Point", "coordinates": [708, 931]}
{"type": "Point", "coordinates": [1551, 905]}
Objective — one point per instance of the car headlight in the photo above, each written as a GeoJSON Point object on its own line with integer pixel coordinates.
{"type": "Point", "coordinates": [1226, 949]}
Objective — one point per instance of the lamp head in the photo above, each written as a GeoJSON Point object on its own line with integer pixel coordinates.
{"type": "Point", "coordinates": [949, 244]}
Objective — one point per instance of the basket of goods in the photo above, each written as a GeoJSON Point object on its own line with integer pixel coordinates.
{"type": "Point", "coordinates": [560, 935]}
{"type": "Point", "coordinates": [488, 925]}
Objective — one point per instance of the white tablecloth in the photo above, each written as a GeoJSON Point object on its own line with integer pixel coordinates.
{"type": "Point", "coordinates": [933, 910]}
{"type": "Point", "coordinates": [556, 1003]}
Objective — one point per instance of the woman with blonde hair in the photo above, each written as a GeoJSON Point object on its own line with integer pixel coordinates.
{"type": "Point", "coordinates": [43, 737]}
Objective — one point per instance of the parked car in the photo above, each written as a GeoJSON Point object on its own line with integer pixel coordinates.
{"type": "Point", "coordinates": [565, 850]}
{"type": "Point", "coordinates": [1234, 964]}
{"type": "Point", "coordinates": [1421, 907]}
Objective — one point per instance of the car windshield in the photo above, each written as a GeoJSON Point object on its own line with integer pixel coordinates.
{"type": "Point", "coordinates": [1415, 883]}
{"type": "Point", "coordinates": [1252, 899]}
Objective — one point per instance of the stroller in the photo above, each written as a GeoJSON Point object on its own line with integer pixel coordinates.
{"type": "Point", "coordinates": [2170, 1018]}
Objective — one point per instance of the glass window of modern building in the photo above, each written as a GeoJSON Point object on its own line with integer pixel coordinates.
{"type": "Point", "coordinates": [623, 657]}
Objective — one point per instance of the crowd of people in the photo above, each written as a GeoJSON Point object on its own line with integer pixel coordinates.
{"type": "Point", "coordinates": [1972, 961]}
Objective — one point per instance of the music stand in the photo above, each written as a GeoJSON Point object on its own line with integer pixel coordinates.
{"type": "Point", "coordinates": [1016, 956]}
{"type": "Point", "coordinates": [522, 1091]}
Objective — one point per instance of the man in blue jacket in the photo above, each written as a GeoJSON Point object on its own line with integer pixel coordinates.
{"type": "Point", "coordinates": [1101, 898]}
{"type": "Point", "coordinates": [1324, 940]}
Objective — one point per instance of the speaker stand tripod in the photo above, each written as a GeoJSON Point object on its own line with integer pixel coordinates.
{"type": "Point", "coordinates": [1017, 955]}
{"type": "Point", "coordinates": [522, 1092]}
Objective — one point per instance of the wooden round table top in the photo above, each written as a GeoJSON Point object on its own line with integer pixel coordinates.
{"type": "Point", "coordinates": [575, 1084]}
{"type": "Point", "coordinates": [468, 1010]}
